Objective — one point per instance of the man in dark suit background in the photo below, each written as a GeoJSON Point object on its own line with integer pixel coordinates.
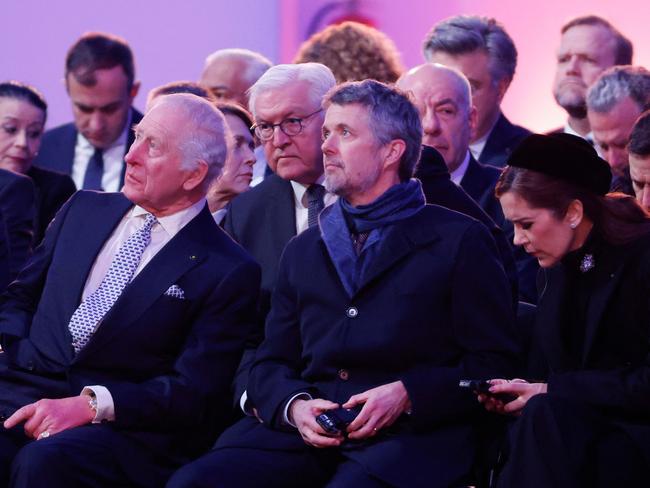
{"type": "Point", "coordinates": [123, 333]}
{"type": "Point", "coordinates": [399, 301]}
{"type": "Point", "coordinates": [588, 46]}
{"type": "Point", "coordinates": [443, 98]}
{"type": "Point", "coordinates": [100, 80]}
{"type": "Point", "coordinates": [17, 210]}
{"type": "Point", "coordinates": [481, 49]}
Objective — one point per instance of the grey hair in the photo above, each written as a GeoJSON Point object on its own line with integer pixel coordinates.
{"type": "Point", "coordinates": [467, 33]}
{"type": "Point", "coordinates": [392, 116]}
{"type": "Point", "coordinates": [319, 77]}
{"type": "Point", "coordinates": [616, 83]}
{"type": "Point", "coordinates": [207, 131]}
{"type": "Point", "coordinates": [256, 63]}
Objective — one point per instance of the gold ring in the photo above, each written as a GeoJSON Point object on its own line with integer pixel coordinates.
{"type": "Point", "coordinates": [44, 435]}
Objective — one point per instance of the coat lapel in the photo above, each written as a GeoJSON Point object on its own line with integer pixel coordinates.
{"type": "Point", "coordinates": [472, 182]}
{"type": "Point", "coordinates": [281, 212]}
{"type": "Point", "coordinates": [399, 241]}
{"type": "Point", "coordinates": [182, 253]}
{"type": "Point", "coordinates": [548, 323]}
{"type": "Point", "coordinates": [609, 274]}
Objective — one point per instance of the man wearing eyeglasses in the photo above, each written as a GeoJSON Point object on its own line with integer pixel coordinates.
{"type": "Point", "coordinates": [286, 105]}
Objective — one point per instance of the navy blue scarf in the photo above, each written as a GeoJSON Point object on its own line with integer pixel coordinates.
{"type": "Point", "coordinates": [339, 221]}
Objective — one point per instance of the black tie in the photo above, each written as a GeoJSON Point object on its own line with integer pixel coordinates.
{"type": "Point", "coordinates": [94, 171]}
{"type": "Point", "coordinates": [315, 203]}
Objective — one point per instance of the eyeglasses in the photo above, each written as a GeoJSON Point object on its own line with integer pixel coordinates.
{"type": "Point", "coordinates": [291, 126]}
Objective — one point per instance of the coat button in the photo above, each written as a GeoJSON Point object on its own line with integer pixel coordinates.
{"type": "Point", "coordinates": [30, 366]}
{"type": "Point", "coordinates": [352, 312]}
{"type": "Point", "coordinates": [344, 374]}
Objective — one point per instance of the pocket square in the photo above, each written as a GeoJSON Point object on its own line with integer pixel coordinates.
{"type": "Point", "coordinates": [176, 292]}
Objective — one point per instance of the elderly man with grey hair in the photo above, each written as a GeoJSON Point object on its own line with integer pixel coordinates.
{"type": "Point", "coordinates": [377, 315]}
{"type": "Point", "coordinates": [122, 335]}
{"type": "Point", "coordinates": [286, 106]}
{"type": "Point", "coordinates": [481, 49]}
{"type": "Point", "coordinates": [614, 102]}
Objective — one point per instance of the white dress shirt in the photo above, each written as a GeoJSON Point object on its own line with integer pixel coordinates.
{"type": "Point", "coordinates": [113, 160]}
{"type": "Point", "coordinates": [302, 205]}
{"type": "Point", "coordinates": [161, 233]}
{"type": "Point", "coordinates": [458, 174]}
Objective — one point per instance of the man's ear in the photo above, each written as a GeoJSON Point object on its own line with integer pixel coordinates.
{"type": "Point", "coordinates": [393, 152]}
{"type": "Point", "coordinates": [502, 87]}
{"type": "Point", "coordinates": [196, 176]}
{"type": "Point", "coordinates": [134, 89]}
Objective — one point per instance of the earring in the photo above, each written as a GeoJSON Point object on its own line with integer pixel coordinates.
{"type": "Point", "coordinates": [573, 225]}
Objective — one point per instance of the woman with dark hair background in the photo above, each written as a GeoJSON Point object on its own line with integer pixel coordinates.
{"type": "Point", "coordinates": [23, 111]}
{"type": "Point", "coordinates": [586, 420]}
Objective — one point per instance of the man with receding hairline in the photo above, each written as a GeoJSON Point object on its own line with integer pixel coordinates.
{"type": "Point", "coordinates": [121, 336]}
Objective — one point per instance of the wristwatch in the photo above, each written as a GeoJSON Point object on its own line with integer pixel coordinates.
{"type": "Point", "coordinates": [92, 402]}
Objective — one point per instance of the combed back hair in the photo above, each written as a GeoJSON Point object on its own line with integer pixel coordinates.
{"type": "Point", "coordinates": [624, 50]}
{"type": "Point", "coordinates": [467, 33]}
{"type": "Point", "coordinates": [236, 110]}
{"type": "Point", "coordinates": [182, 87]}
{"type": "Point", "coordinates": [206, 132]}
{"type": "Point", "coordinates": [96, 50]}
{"type": "Point", "coordinates": [353, 52]}
{"type": "Point", "coordinates": [616, 83]}
{"type": "Point", "coordinates": [256, 63]}
{"type": "Point", "coordinates": [318, 76]}
{"type": "Point", "coordinates": [640, 136]}
{"type": "Point", "coordinates": [618, 218]}
{"type": "Point", "coordinates": [392, 116]}
{"type": "Point", "coordinates": [22, 91]}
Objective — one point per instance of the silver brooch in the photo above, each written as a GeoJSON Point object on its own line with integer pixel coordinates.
{"type": "Point", "coordinates": [587, 263]}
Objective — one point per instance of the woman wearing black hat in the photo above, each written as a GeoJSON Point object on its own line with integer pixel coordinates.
{"type": "Point", "coordinates": [587, 423]}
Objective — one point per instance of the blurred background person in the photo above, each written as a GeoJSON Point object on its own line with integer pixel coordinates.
{"type": "Point", "coordinates": [179, 87]}
{"type": "Point", "coordinates": [23, 111]}
{"type": "Point", "coordinates": [100, 80]}
{"type": "Point", "coordinates": [614, 102]}
{"type": "Point", "coordinates": [586, 422]}
{"type": "Point", "coordinates": [229, 73]}
{"type": "Point", "coordinates": [588, 46]}
{"type": "Point", "coordinates": [482, 50]}
{"type": "Point", "coordinates": [238, 170]}
{"type": "Point", "coordinates": [639, 158]}
{"type": "Point", "coordinates": [354, 52]}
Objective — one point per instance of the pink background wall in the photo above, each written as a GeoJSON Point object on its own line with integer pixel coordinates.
{"type": "Point", "coordinates": [170, 39]}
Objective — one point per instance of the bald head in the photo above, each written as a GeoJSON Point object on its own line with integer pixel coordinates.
{"type": "Point", "coordinates": [229, 73]}
{"type": "Point", "coordinates": [443, 98]}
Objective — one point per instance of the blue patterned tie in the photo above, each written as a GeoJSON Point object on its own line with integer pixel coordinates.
{"type": "Point", "coordinates": [92, 310]}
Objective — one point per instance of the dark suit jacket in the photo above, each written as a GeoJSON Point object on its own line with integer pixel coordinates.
{"type": "Point", "coordinates": [57, 148]}
{"type": "Point", "coordinates": [52, 191]}
{"type": "Point", "coordinates": [434, 307]}
{"type": "Point", "coordinates": [440, 190]}
{"type": "Point", "coordinates": [167, 362]}
{"type": "Point", "coordinates": [613, 372]}
{"type": "Point", "coordinates": [479, 182]}
{"type": "Point", "coordinates": [17, 210]}
{"type": "Point", "coordinates": [501, 142]}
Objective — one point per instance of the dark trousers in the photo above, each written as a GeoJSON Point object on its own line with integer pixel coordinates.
{"type": "Point", "coordinates": [561, 443]}
{"type": "Point", "coordinates": [88, 456]}
{"type": "Point", "coordinates": [254, 468]}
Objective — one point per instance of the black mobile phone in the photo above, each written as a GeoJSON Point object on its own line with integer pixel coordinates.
{"type": "Point", "coordinates": [483, 387]}
{"type": "Point", "coordinates": [336, 421]}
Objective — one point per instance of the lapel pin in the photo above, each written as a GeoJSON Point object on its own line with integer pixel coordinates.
{"type": "Point", "coordinates": [192, 256]}
{"type": "Point", "coordinates": [588, 262]}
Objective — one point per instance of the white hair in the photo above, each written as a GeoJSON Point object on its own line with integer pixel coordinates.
{"type": "Point", "coordinates": [318, 76]}
{"type": "Point", "coordinates": [207, 130]}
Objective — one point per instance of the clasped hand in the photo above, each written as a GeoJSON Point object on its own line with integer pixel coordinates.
{"type": "Point", "coordinates": [48, 417]}
{"type": "Point", "coordinates": [382, 406]}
